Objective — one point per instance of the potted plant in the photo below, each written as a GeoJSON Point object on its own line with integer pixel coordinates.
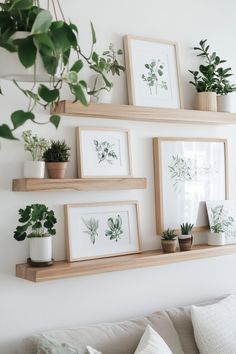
{"type": "Point", "coordinates": [36, 146]}
{"type": "Point", "coordinates": [41, 49]}
{"type": "Point", "coordinates": [169, 241]}
{"type": "Point", "coordinates": [217, 235]}
{"type": "Point", "coordinates": [209, 78]}
{"type": "Point", "coordinates": [56, 158]}
{"type": "Point", "coordinates": [37, 225]}
{"type": "Point", "coordinates": [186, 237]}
{"type": "Point", "coordinates": [226, 96]}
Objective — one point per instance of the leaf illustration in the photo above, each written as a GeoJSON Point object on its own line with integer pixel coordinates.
{"type": "Point", "coordinates": [115, 228]}
{"type": "Point", "coordinates": [92, 228]}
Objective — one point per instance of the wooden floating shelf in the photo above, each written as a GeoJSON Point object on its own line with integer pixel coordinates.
{"type": "Point", "coordinates": [63, 269]}
{"type": "Point", "coordinates": [85, 184]}
{"type": "Point", "coordinates": [144, 114]}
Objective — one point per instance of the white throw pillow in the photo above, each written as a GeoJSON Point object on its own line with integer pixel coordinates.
{"type": "Point", "coordinates": [215, 326]}
{"type": "Point", "coordinates": [152, 343]}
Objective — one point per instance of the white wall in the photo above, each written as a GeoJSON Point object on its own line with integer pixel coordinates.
{"type": "Point", "coordinates": [27, 307]}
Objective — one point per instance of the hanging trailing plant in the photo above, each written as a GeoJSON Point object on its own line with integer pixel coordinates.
{"type": "Point", "coordinates": [54, 41]}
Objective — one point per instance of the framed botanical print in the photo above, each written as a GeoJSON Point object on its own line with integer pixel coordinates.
{"type": "Point", "coordinates": [103, 152]}
{"type": "Point", "coordinates": [223, 212]}
{"type": "Point", "coordinates": [188, 172]}
{"type": "Point", "coordinates": [102, 230]}
{"type": "Point", "coordinates": [153, 74]}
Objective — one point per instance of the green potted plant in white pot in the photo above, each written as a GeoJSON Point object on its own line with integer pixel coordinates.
{"type": "Point", "coordinates": [36, 147]}
{"type": "Point", "coordinates": [56, 158]}
{"type": "Point", "coordinates": [37, 224]}
{"type": "Point", "coordinates": [226, 95]}
{"type": "Point", "coordinates": [217, 235]}
{"type": "Point", "coordinates": [186, 237]}
{"type": "Point", "coordinates": [169, 241]}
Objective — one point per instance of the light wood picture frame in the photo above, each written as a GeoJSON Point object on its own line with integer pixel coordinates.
{"type": "Point", "coordinates": [103, 152]}
{"type": "Point", "coordinates": [153, 72]}
{"type": "Point", "coordinates": [100, 230]}
{"type": "Point", "coordinates": [187, 173]}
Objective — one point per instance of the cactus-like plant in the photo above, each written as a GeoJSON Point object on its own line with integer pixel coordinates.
{"type": "Point", "coordinates": [186, 228]}
{"type": "Point", "coordinates": [169, 235]}
{"type": "Point", "coordinates": [57, 152]}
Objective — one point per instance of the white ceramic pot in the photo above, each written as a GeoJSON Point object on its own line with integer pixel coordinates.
{"type": "Point", "coordinates": [41, 249]}
{"type": "Point", "coordinates": [227, 103]}
{"type": "Point", "coordinates": [216, 239]}
{"type": "Point", "coordinates": [12, 69]}
{"type": "Point", "coordinates": [34, 169]}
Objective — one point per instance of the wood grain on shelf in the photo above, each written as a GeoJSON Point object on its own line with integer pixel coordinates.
{"type": "Point", "coordinates": [63, 269]}
{"type": "Point", "coordinates": [146, 114]}
{"type": "Point", "coordinates": [85, 184]}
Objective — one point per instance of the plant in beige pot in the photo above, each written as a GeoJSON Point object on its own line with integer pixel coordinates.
{"type": "Point", "coordinates": [56, 158]}
{"type": "Point", "coordinates": [37, 224]}
{"type": "Point", "coordinates": [186, 237]}
{"type": "Point", "coordinates": [206, 79]}
{"type": "Point", "coordinates": [217, 235]}
{"type": "Point", "coordinates": [169, 241]}
{"type": "Point", "coordinates": [36, 147]}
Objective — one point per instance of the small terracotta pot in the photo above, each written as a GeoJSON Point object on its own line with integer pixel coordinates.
{"type": "Point", "coordinates": [185, 243]}
{"type": "Point", "coordinates": [169, 246]}
{"type": "Point", "coordinates": [206, 101]}
{"type": "Point", "coordinates": [56, 169]}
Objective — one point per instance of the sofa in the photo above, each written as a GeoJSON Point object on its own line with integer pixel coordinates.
{"type": "Point", "coordinates": [174, 325]}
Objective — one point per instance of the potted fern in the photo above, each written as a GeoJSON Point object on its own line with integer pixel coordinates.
{"type": "Point", "coordinates": [36, 147]}
{"type": "Point", "coordinates": [169, 241]}
{"type": "Point", "coordinates": [217, 235]}
{"type": "Point", "coordinates": [37, 224]}
{"type": "Point", "coordinates": [56, 158]}
{"type": "Point", "coordinates": [186, 237]}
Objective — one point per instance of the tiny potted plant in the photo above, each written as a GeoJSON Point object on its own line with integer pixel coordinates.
{"type": "Point", "coordinates": [226, 96]}
{"type": "Point", "coordinates": [186, 237]}
{"type": "Point", "coordinates": [169, 241]}
{"type": "Point", "coordinates": [56, 158]}
{"type": "Point", "coordinates": [36, 147]}
{"type": "Point", "coordinates": [37, 225]}
{"type": "Point", "coordinates": [217, 235]}
{"type": "Point", "coordinates": [210, 79]}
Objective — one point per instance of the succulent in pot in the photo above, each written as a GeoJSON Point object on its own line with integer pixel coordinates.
{"type": "Point", "coordinates": [56, 158]}
{"type": "Point", "coordinates": [186, 237]}
{"type": "Point", "coordinates": [169, 241]}
{"type": "Point", "coordinates": [217, 235]}
{"type": "Point", "coordinates": [36, 147]}
{"type": "Point", "coordinates": [37, 225]}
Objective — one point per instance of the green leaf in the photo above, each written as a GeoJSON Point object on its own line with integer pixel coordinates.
{"type": "Point", "coordinates": [42, 22]}
{"type": "Point", "coordinates": [21, 5]}
{"type": "Point", "coordinates": [18, 118]}
{"type": "Point", "coordinates": [44, 42]}
{"type": "Point", "coordinates": [50, 63]}
{"type": "Point", "coordinates": [94, 39]}
{"type": "Point", "coordinates": [79, 94]}
{"type": "Point", "coordinates": [48, 95]}
{"type": "Point", "coordinates": [6, 133]}
{"type": "Point", "coordinates": [55, 120]}
{"type": "Point", "coordinates": [95, 57]}
{"type": "Point", "coordinates": [77, 66]}
{"type": "Point", "coordinates": [27, 51]}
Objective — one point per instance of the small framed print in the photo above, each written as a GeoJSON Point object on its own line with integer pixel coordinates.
{"type": "Point", "coordinates": [153, 75]}
{"type": "Point", "coordinates": [188, 172]}
{"type": "Point", "coordinates": [103, 152]}
{"type": "Point", "coordinates": [223, 212]}
{"type": "Point", "coordinates": [102, 230]}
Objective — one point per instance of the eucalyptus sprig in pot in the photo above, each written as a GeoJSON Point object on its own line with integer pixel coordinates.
{"type": "Point", "coordinates": [56, 158]}
{"type": "Point", "coordinates": [36, 147]}
{"type": "Point", "coordinates": [186, 237]}
{"type": "Point", "coordinates": [37, 224]}
{"type": "Point", "coordinates": [169, 241]}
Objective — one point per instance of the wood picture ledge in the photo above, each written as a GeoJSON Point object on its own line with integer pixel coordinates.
{"type": "Point", "coordinates": [143, 114]}
{"type": "Point", "coordinates": [63, 269]}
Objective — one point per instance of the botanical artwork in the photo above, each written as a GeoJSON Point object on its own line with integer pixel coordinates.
{"type": "Point", "coordinates": [99, 230]}
{"type": "Point", "coordinates": [189, 172]}
{"type": "Point", "coordinates": [105, 151]}
{"type": "Point", "coordinates": [153, 76]}
{"type": "Point", "coordinates": [223, 214]}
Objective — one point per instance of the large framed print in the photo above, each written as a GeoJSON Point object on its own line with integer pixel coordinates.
{"type": "Point", "coordinates": [153, 74]}
{"type": "Point", "coordinates": [103, 152]}
{"type": "Point", "coordinates": [188, 172]}
{"type": "Point", "coordinates": [223, 212]}
{"type": "Point", "coordinates": [102, 230]}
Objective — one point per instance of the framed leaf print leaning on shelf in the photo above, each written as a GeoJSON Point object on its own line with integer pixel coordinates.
{"type": "Point", "coordinates": [103, 152]}
{"type": "Point", "coordinates": [153, 74]}
{"type": "Point", "coordinates": [188, 172]}
{"type": "Point", "coordinates": [102, 230]}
